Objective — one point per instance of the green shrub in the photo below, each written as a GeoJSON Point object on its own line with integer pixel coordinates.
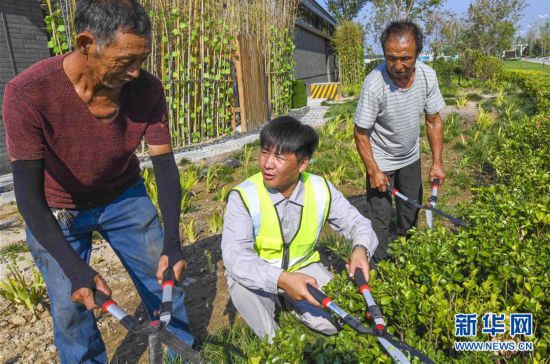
{"type": "Point", "coordinates": [445, 70]}
{"type": "Point", "coordinates": [372, 65]}
{"type": "Point", "coordinates": [499, 264]}
{"type": "Point", "coordinates": [299, 94]}
{"type": "Point", "coordinates": [473, 64]}
{"type": "Point", "coordinates": [536, 83]}
{"type": "Point", "coordinates": [352, 90]}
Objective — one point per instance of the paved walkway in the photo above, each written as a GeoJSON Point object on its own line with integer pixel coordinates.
{"type": "Point", "coordinates": [314, 117]}
{"type": "Point", "coordinates": [543, 60]}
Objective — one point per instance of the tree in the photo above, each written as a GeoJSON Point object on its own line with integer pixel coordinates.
{"type": "Point", "coordinates": [491, 25]}
{"type": "Point", "coordinates": [386, 11]}
{"type": "Point", "coordinates": [445, 31]}
{"type": "Point", "coordinates": [537, 48]}
{"type": "Point", "coordinates": [544, 35]}
{"type": "Point", "coordinates": [531, 36]}
{"type": "Point", "coordinates": [345, 9]}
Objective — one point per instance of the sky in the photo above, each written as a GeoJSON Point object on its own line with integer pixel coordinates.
{"type": "Point", "coordinates": [530, 15]}
{"type": "Point", "coordinates": [531, 12]}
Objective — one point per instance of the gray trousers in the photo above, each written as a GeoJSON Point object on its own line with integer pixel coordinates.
{"type": "Point", "coordinates": [408, 181]}
{"type": "Point", "coordinates": [258, 307]}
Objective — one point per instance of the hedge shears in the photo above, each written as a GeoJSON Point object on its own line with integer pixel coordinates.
{"type": "Point", "coordinates": [156, 330]}
{"type": "Point", "coordinates": [433, 203]}
{"type": "Point", "coordinates": [394, 347]}
{"type": "Point", "coordinates": [414, 203]}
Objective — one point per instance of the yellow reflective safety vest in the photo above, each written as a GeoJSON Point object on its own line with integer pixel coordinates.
{"type": "Point", "coordinates": [267, 232]}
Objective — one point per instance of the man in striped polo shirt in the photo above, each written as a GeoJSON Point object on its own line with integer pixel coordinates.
{"type": "Point", "coordinates": [387, 127]}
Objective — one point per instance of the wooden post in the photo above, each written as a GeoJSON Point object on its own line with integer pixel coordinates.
{"type": "Point", "coordinates": [240, 85]}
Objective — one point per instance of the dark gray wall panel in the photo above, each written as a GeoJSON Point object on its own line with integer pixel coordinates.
{"type": "Point", "coordinates": [28, 38]}
{"type": "Point", "coordinates": [313, 58]}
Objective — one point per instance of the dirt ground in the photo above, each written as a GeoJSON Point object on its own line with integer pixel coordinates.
{"type": "Point", "coordinates": [28, 338]}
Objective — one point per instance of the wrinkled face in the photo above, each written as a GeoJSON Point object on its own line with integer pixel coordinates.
{"type": "Point", "coordinates": [400, 55]}
{"type": "Point", "coordinates": [281, 171]}
{"type": "Point", "coordinates": [119, 62]}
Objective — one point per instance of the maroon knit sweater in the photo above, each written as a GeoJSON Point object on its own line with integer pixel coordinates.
{"type": "Point", "coordinates": [88, 162]}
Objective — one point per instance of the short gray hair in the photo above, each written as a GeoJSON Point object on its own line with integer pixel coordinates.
{"type": "Point", "coordinates": [104, 18]}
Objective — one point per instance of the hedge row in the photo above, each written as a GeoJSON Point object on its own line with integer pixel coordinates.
{"type": "Point", "coordinates": [499, 265]}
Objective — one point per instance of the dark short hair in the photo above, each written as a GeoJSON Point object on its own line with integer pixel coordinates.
{"type": "Point", "coordinates": [104, 18]}
{"type": "Point", "coordinates": [288, 135]}
{"type": "Point", "coordinates": [402, 27]}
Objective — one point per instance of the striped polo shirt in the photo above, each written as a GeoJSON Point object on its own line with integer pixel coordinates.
{"type": "Point", "coordinates": [392, 115]}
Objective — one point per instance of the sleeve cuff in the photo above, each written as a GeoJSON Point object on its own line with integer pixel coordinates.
{"type": "Point", "coordinates": [82, 279]}
{"type": "Point", "coordinates": [272, 279]}
{"type": "Point", "coordinates": [173, 253]}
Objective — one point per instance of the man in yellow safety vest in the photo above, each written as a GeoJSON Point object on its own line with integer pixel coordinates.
{"type": "Point", "coordinates": [271, 225]}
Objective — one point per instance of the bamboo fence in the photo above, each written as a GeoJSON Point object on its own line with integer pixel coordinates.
{"type": "Point", "coordinates": [194, 47]}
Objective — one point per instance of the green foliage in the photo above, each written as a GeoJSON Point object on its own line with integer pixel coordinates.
{"type": "Point", "coordinates": [472, 96]}
{"type": "Point", "coordinates": [452, 127]}
{"type": "Point", "coordinates": [20, 291]}
{"type": "Point", "coordinates": [346, 109]}
{"type": "Point", "coordinates": [194, 43]}
{"type": "Point", "coordinates": [221, 194]}
{"type": "Point", "coordinates": [499, 264]}
{"type": "Point", "coordinates": [150, 184]}
{"type": "Point", "coordinates": [425, 147]}
{"type": "Point", "coordinates": [336, 245]}
{"type": "Point", "coordinates": [526, 66]}
{"type": "Point", "coordinates": [299, 94]}
{"type": "Point", "coordinates": [372, 65]}
{"type": "Point", "coordinates": [445, 70]}
{"type": "Point", "coordinates": [215, 223]}
{"type": "Point", "coordinates": [211, 179]}
{"type": "Point", "coordinates": [490, 25]}
{"type": "Point", "coordinates": [188, 179]}
{"type": "Point", "coordinates": [352, 90]}
{"type": "Point", "coordinates": [537, 85]}
{"type": "Point", "coordinates": [337, 159]}
{"type": "Point", "coordinates": [386, 11]}
{"type": "Point", "coordinates": [445, 32]}
{"type": "Point", "coordinates": [282, 69]}
{"type": "Point", "coordinates": [58, 31]}
{"type": "Point", "coordinates": [231, 345]}
{"type": "Point", "coordinates": [14, 249]}
{"type": "Point", "coordinates": [343, 10]}
{"type": "Point", "coordinates": [189, 231]}
{"type": "Point", "coordinates": [193, 46]}
{"type": "Point", "coordinates": [348, 42]}
{"type": "Point", "coordinates": [473, 64]}
{"type": "Point", "coordinates": [209, 266]}
{"type": "Point", "coordinates": [484, 119]}
{"type": "Point", "coordinates": [249, 164]}
{"type": "Point", "coordinates": [461, 102]}
{"type": "Point", "coordinates": [192, 56]}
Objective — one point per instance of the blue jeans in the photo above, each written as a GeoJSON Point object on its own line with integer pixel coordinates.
{"type": "Point", "coordinates": [131, 226]}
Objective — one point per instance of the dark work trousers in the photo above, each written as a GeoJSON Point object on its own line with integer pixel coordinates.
{"type": "Point", "coordinates": [408, 181]}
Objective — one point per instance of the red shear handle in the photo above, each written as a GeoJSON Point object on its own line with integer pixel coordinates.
{"type": "Point", "coordinates": [102, 300]}
{"type": "Point", "coordinates": [319, 296]}
{"type": "Point", "coordinates": [435, 182]}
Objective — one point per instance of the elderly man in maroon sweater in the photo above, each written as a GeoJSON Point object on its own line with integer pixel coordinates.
{"type": "Point", "coordinates": [73, 123]}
